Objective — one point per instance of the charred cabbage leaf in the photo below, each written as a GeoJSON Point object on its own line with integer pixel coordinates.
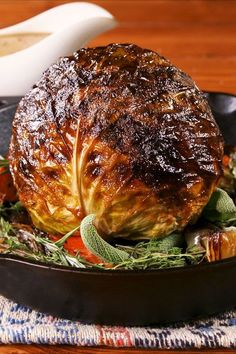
{"type": "Point", "coordinates": [119, 132]}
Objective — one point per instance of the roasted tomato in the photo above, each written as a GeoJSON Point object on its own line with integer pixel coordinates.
{"type": "Point", "coordinates": [228, 180]}
{"type": "Point", "coordinates": [75, 244]}
{"type": "Point", "coordinates": [7, 189]}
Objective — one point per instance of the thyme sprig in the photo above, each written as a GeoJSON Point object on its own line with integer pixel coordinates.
{"type": "Point", "coordinates": [14, 207]}
{"type": "Point", "coordinates": [4, 165]}
{"type": "Point", "coordinates": [146, 257]}
{"type": "Point", "coordinates": [3, 162]}
{"type": "Point", "coordinates": [20, 242]}
{"type": "Point", "coordinates": [157, 253]}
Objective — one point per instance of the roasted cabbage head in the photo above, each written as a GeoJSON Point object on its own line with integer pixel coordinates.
{"type": "Point", "coordinates": [119, 132]}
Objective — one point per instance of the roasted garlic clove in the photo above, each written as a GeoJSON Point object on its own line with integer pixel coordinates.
{"type": "Point", "coordinates": [217, 243]}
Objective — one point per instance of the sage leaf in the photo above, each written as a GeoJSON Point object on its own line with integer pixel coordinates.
{"type": "Point", "coordinates": [170, 241]}
{"type": "Point", "coordinates": [97, 245]}
{"type": "Point", "coordinates": [220, 208]}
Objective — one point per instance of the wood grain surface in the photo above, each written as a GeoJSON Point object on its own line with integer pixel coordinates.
{"type": "Point", "coordinates": [199, 36]}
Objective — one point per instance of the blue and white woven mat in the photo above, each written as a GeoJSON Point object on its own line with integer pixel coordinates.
{"type": "Point", "coordinates": [19, 324]}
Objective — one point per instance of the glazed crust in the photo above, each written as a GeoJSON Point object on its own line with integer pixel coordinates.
{"type": "Point", "coordinates": [120, 132]}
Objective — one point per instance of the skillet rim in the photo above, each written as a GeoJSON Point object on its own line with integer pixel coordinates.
{"type": "Point", "coordinates": [128, 272]}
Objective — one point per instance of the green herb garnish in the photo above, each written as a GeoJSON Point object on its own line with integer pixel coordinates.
{"type": "Point", "coordinates": [20, 242]}
{"type": "Point", "coordinates": [157, 253]}
{"type": "Point", "coordinates": [220, 209]}
{"type": "Point", "coordinates": [5, 164]}
{"type": "Point", "coordinates": [97, 245]}
{"type": "Point", "coordinates": [160, 253]}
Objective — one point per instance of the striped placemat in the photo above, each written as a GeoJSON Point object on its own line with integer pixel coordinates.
{"type": "Point", "coordinates": [19, 324]}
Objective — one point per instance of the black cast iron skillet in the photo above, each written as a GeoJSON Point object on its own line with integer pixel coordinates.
{"type": "Point", "coordinates": [123, 297]}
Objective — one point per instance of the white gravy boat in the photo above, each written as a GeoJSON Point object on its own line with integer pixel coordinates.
{"type": "Point", "coordinates": [69, 27]}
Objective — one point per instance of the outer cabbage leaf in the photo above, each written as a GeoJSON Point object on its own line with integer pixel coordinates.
{"type": "Point", "coordinates": [119, 132]}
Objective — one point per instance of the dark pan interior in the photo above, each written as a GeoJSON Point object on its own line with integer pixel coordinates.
{"type": "Point", "coordinates": [123, 297]}
{"type": "Point", "coordinates": [223, 107]}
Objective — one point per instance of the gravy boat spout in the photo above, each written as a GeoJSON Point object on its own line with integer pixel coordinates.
{"type": "Point", "coordinates": [66, 28]}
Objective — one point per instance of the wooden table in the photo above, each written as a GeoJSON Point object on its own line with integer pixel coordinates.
{"type": "Point", "coordinates": [199, 36]}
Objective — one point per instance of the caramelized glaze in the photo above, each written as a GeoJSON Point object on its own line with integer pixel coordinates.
{"type": "Point", "coordinates": [140, 133]}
